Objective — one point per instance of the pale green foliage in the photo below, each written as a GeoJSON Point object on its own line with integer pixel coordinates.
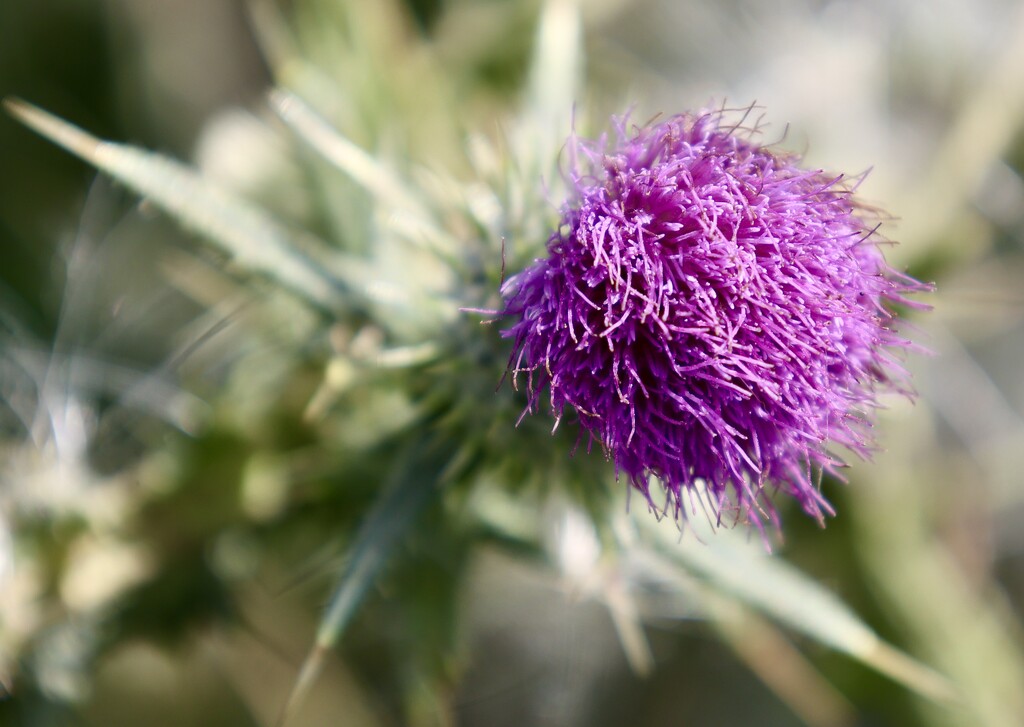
{"type": "Point", "coordinates": [345, 288]}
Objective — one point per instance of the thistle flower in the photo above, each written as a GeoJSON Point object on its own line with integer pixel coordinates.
{"type": "Point", "coordinates": [712, 313]}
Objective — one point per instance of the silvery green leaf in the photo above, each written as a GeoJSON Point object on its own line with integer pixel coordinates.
{"type": "Point", "coordinates": [254, 240]}
{"type": "Point", "coordinates": [742, 570]}
{"type": "Point", "coordinates": [555, 72]}
{"type": "Point", "coordinates": [341, 152]}
{"type": "Point", "coordinates": [410, 490]}
{"type": "Point", "coordinates": [410, 216]}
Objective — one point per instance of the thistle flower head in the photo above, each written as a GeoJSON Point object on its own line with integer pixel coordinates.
{"type": "Point", "coordinates": [712, 313]}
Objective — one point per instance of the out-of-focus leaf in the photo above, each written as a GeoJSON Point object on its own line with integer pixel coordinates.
{"type": "Point", "coordinates": [253, 239]}
{"type": "Point", "coordinates": [555, 73]}
{"type": "Point", "coordinates": [410, 216]}
{"type": "Point", "coordinates": [745, 572]}
{"type": "Point", "coordinates": [341, 152]}
{"type": "Point", "coordinates": [779, 664]}
{"type": "Point", "coordinates": [976, 140]}
{"type": "Point", "coordinates": [410, 490]}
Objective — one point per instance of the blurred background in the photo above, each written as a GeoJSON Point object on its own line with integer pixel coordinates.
{"type": "Point", "coordinates": [175, 505]}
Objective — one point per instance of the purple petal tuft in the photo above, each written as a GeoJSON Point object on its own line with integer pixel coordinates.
{"type": "Point", "coordinates": [713, 313]}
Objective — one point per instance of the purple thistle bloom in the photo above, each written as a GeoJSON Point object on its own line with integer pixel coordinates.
{"type": "Point", "coordinates": [713, 313]}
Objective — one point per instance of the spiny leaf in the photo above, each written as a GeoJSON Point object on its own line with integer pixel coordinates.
{"type": "Point", "coordinates": [779, 664]}
{"type": "Point", "coordinates": [341, 152]}
{"type": "Point", "coordinates": [408, 493]}
{"type": "Point", "coordinates": [252, 238]}
{"type": "Point", "coordinates": [555, 71]}
{"type": "Point", "coordinates": [773, 587]}
{"type": "Point", "coordinates": [410, 215]}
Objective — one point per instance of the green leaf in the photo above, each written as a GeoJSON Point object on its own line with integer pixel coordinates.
{"type": "Point", "coordinates": [411, 217]}
{"type": "Point", "coordinates": [341, 152]}
{"type": "Point", "coordinates": [555, 72]}
{"type": "Point", "coordinates": [410, 490]}
{"type": "Point", "coordinates": [743, 571]}
{"type": "Point", "coordinates": [252, 238]}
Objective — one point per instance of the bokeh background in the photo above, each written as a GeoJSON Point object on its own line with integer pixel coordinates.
{"type": "Point", "coordinates": [171, 524]}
